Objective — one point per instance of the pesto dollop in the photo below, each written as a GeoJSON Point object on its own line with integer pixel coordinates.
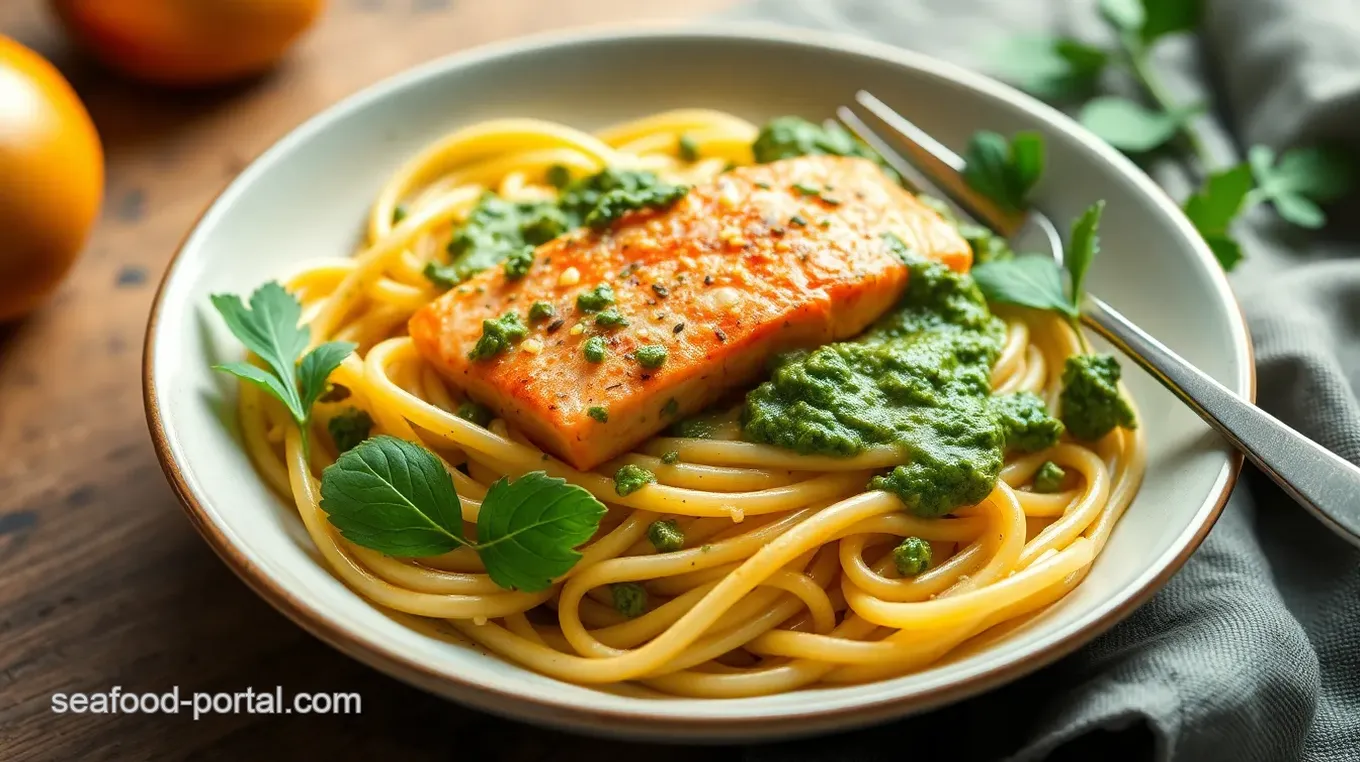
{"type": "Point", "coordinates": [498, 231]}
{"type": "Point", "coordinates": [495, 230]}
{"type": "Point", "coordinates": [497, 336]}
{"type": "Point", "coordinates": [630, 478]}
{"type": "Point", "coordinates": [1091, 403]}
{"type": "Point", "coordinates": [912, 556]}
{"type": "Point", "coordinates": [666, 536]}
{"type": "Point", "coordinates": [919, 379]}
{"type": "Point", "coordinates": [1049, 477]}
{"type": "Point", "coordinates": [630, 598]}
{"type": "Point", "coordinates": [786, 137]}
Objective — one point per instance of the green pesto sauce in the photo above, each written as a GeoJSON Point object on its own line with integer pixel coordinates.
{"type": "Point", "coordinates": [912, 556]}
{"type": "Point", "coordinates": [495, 230]}
{"type": "Point", "coordinates": [786, 137]}
{"type": "Point", "coordinates": [349, 428]}
{"type": "Point", "coordinates": [630, 598]}
{"type": "Point", "coordinates": [1049, 477]}
{"type": "Point", "coordinates": [666, 536]}
{"type": "Point", "coordinates": [630, 478]}
{"type": "Point", "coordinates": [497, 336]}
{"type": "Point", "coordinates": [920, 380]}
{"type": "Point", "coordinates": [1091, 403]}
{"type": "Point", "coordinates": [1025, 420]}
{"type": "Point", "coordinates": [499, 231]}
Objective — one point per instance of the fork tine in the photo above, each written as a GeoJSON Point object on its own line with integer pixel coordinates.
{"type": "Point", "coordinates": [913, 134]}
{"type": "Point", "coordinates": [911, 176]}
{"type": "Point", "coordinates": [942, 166]}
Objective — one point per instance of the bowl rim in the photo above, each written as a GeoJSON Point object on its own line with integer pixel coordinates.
{"type": "Point", "coordinates": [644, 723]}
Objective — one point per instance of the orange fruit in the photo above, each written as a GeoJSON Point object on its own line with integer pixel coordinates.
{"type": "Point", "coordinates": [187, 42]}
{"type": "Point", "coordinates": [51, 178]}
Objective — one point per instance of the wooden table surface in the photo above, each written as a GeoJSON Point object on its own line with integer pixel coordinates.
{"type": "Point", "coordinates": [103, 581]}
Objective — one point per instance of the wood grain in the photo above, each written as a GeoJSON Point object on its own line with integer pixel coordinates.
{"type": "Point", "coordinates": [102, 580]}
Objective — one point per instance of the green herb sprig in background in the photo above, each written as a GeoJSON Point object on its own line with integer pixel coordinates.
{"type": "Point", "coordinates": [1071, 71]}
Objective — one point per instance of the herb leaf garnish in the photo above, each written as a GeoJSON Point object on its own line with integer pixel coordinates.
{"type": "Point", "coordinates": [1300, 180]}
{"type": "Point", "coordinates": [1004, 171]}
{"type": "Point", "coordinates": [1083, 247]}
{"type": "Point", "coordinates": [269, 328]}
{"type": "Point", "coordinates": [1067, 69]}
{"type": "Point", "coordinates": [1028, 281]}
{"type": "Point", "coordinates": [1132, 127]}
{"type": "Point", "coordinates": [397, 498]}
{"type": "Point", "coordinates": [1036, 281]}
{"type": "Point", "coordinates": [394, 497]}
{"type": "Point", "coordinates": [529, 529]}
{"type": "Point", "coordinates": [1213, 208]}
{"type": "Point", "coordinates": [1056, 68]}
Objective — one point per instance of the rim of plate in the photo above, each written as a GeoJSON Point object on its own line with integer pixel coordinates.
{"type": "Point", "coordinates": [650, 723]}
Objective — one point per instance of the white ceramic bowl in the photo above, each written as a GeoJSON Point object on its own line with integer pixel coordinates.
{"type": "Point", "coordinates": [307, 196]}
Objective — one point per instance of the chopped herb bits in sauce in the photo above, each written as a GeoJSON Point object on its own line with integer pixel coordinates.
{"type": "Point", "coordinates": [595, 349]}
{"type": "Point", "coordinates": [650, 356]}
{"type": "Point", "coordinates": [595, 299]}
{"type": "Point", "coordinates": [497, 336]}
{"type": "Point", "coordinates": [539, 311]}
{"type": "Point", "coordinates": [610, 318]}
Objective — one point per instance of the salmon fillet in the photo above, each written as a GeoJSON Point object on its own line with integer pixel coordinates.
{"type": "Point", "coordinates": [764, 259]}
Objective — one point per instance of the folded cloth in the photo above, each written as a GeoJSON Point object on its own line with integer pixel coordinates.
{"type": "Point", "coordinates": [1252, 651]}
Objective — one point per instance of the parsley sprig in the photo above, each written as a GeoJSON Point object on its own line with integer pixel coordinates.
{"type": "Point", "coordinates": [1067, 70]}
{"type": "Point", "coordinates": [270, 329]}
{"type": "Point", "coordinates": [397, 498]}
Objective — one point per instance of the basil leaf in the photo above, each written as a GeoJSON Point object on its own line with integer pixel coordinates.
{"type": "Point", "coordinates": [1028, 281]}
{"type": "Point", "coordinates": [1227, 251]}
{"type": "Point", "coordinates": [1027, 163]}
{"type": "Point", "coordinates": [528, 529]}
{"type": "Point", "coordinates": [1053, 68]}
{"type": "Point", "coordinates": [985, 168]}
{"type": "Point", "coordinates": [394, 497]}
{"type": "Point", "coordinates": [1213, 208]}
{"type": "Point", "coordinates": [1163, 17]}
{"type": "Point", "coordinates": [316, 367]}
{"type": "Point", "coordinates": [1085, 244]}
{"type": "Point", "coordinates": [1130, 126]}
{"type": "Point", "coordinates": [1004, 171]}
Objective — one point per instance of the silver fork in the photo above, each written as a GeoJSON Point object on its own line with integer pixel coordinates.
{"type": "Point", "coordinates": [1321, 481]}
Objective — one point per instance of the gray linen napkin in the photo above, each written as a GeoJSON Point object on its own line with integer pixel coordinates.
{"type": "Point", "coordinates": [1252, 652]}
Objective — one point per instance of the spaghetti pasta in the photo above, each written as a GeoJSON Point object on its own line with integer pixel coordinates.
{"type": "Point", "coordinates": [787, 578]}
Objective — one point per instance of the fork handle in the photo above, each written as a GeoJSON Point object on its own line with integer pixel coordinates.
{"type": "Point", "coordinates": [1321, 481]}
